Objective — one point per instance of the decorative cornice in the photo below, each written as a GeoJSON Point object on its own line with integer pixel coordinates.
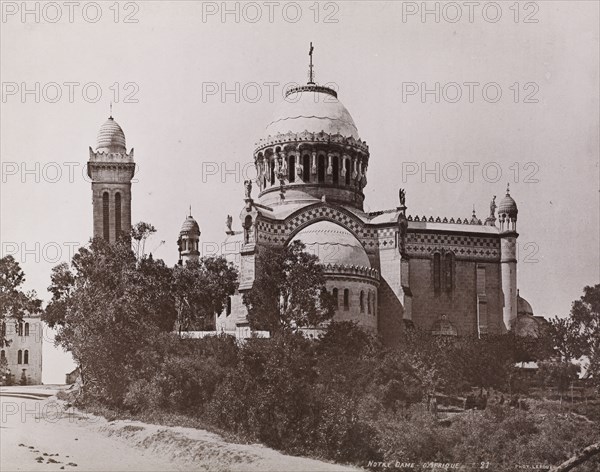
{"type": "Point", "coordinates": [431, 219]}
{"type": "Point", "coordinates": [351, 270]}
{"type": "Point", "coordinates": [308, 137]}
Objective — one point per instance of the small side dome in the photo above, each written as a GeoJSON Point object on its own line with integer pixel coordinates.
{"type": "Point", "coordinates": [523, 307]}
{"type": "Point", "coordinates": [508, 206]}
{"type": "Point", "coordinates": [190, 227]}
{"type": "Point", "coordinates": [111, 137]}
{"type": "Point", "coordinates": [333, 244]}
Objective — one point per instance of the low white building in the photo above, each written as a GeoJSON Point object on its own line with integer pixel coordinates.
{"type": "Point", "coordinates": [23, 354]}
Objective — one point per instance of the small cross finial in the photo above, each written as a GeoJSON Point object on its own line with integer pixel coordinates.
{"type": "Point", "coordinates": [473, 210]}
{"type": "Point", "coordinates": [311, 74]}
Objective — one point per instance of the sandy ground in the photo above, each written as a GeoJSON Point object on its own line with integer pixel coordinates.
{"type": "Point", "coordinates": [40, 434]}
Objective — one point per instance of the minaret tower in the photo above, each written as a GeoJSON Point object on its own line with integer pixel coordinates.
{"type": "Point", "coordinates": [189, 240]}
{"type": "Point", "coordinates": [111, 169]}
{"type": "Point", "coordinates": [507, 216]}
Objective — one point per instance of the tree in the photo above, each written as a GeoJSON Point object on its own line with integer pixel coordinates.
{"type": "Point", "coordinates": [140, 232]}
{"type": "Point", "coordinates": [579, 335]}
{"type": "Point", "coordinates": [585, 314]}
{"type": "Point", "coordinates": [106, 308]}
{"type": "Point", "coordinates": [559, 373]}
{"type": "Point", "coordinates": [14, 302]}
{"type": "Point", "coordinates": [288, 291]}
{"type": "Point", "coordinates": [201, 290]}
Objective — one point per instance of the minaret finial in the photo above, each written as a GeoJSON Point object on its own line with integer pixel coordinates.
{"type": "Point", "coordinates": [190, 210]}
{"type": "Point", "coordinates": [473, 210]}
{"type": "Point", "coordinates": [311, 74]}
{"type": "Point", "coordinates": [508, 188]}
{"type": "Point", "coordinates": [111, 110]}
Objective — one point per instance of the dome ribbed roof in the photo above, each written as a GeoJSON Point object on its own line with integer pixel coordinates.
{"type": "Point", "coordinates": [333, 244]}
{"type": "Point", "coordinates": [111, 137]}
{"type": "Point", "coordinates": [508, 206]}
{"type": "Point", "coordinates": [314, 109]}
{"type": "Point", "coordinates": [190, 225]}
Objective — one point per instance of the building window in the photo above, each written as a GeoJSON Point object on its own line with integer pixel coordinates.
{"type": "Point", "coordinates": [437, 282]}
{"type": "Point", "coordinates": [292, 169]}
{"type": "Point", "coordinates": [272, 167]}
{"type": "Point", "coordinates": [362, 301]}
{"type": "Point", "coordinates": [335, 298]}
{"type": "Point", "coordinates": [20, 329]}
{"type": "Point", "coordinates": [321, 169]}
{"type": "Point", "coordinates": [449, 271]}
{"type": "Point", "coordinates": [105, 214]}
{"type": "Point", "coordinates": [19, 357]}
{"type": "Point", "coordinates": [26, 329]}
{"type": "Point", "coordinates": [228, 312]}
{"type": "Point", "coordinates": [117, 216]}
{"type": "Point", "coordinates": [306, 168]}
{"type": "Point", "coordinates": [346, 299]}
{"type": "Point", "coordinates": [26, 357]}
{"type": "Point", "coordinates": [348, 171]}
{"type": "Point", "coordinates": [369, 303]}
{"type": "Point", "coordinates": [2, 330]}
{"type": "Point", "coordinates": [2, 355]}
{"type": "Point", "coordinates": [336, 170]}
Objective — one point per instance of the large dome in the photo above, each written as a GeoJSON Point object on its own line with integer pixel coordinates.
{"type": "Point", "coordinates": [110, 137]}
{"type": "Point", "coordinates": [314, 109]}
{"type": "Point", "coordinates": [333, 244]}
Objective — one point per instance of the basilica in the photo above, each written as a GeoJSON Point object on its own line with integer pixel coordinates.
{"type": "Point", "coordinates": [387, 269]}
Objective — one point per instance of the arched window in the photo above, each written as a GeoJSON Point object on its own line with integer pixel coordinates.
{"type": "Point", "coordinates": [348, 171]}
{"type": "Point", "coordinates": [335, 297]}
{"type": "Point", "coordinates": [306, 168]}
{"type": "Point", "coordinates": [336, 169]}
{"type": "Point", "coordinates": [20, 329]}
{"type": "Point", "coordinates": [362, 301]}
{"type": "Point", "coordinates": [228, 312]}
{"type": "Point", "coordinates": [26, 357]}
{"type": "Point", "coordinates": [292, 169]}
{"type": "Point", "coordinates": [346, 299]}
{"type": "Point", "coordinates": [2, 330]}
{"type": "Point", "coordinates": [449, 271]}
{"type": "Point", "coordinates": [117, 215]}
{"type": "Point", "coordinates": [26, 329]}
{"type": "Point", "coordinates": [369, 303]}
{"type": "Point", "coordinates": [272, 167]}
{"type": "Point", "coordinates": [321, 169]}
{"type": "Point", "coordinates": [105, 215]}
{"type": "Point", "coordinates": [19, 357]}
{"type": "Point", "coordinates": [437, 283]}
{"type": "Point", "coordinates": [374, 303]}
{"type": "Point", "coordinates": [2, 355]}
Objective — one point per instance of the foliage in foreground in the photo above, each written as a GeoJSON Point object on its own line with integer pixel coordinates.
{"type": "Point", "coordinates": [343, 397]}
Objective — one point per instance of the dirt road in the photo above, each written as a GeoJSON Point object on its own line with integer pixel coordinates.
{"type": "Point", "coordinates": [38, 433]}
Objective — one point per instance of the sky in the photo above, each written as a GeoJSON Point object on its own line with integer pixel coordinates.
{"type": "Point", "coordinates": [454, 101]}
